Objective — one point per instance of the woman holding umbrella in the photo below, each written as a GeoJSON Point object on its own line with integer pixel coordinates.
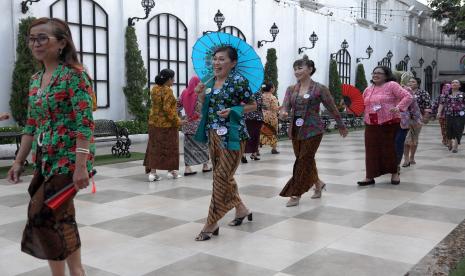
{"type": "Point", "coordinates": [302, 105]}
{"type": "Point", "coordinates": [224, 102]}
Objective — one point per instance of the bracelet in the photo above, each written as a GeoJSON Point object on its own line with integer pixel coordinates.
{"type": "Point", "coordinates": [21, 163]}
{"type": "Point", "coordinates": [82, 150]}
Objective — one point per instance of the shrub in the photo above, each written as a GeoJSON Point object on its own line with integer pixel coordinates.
{"type": "Point", "coordinates": [25, 67]}
{"type": "Point", "coordinates": [136, 78]}
{"type": "Point", "coordinates": [360, 78]}
{"type": "Point", "coordinates": [271, 69]}
{"type": "Point", "coordinates": [335, 85]}
{"type": "Point", "coordinates": [134, 127]}
{"type": "Point", "coordinates": [9, 129]}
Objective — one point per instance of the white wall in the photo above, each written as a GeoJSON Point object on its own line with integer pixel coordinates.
{"type": "Point", "coordinates": [295, 25]}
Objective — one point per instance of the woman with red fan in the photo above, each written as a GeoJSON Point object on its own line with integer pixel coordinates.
{"type": "Point", "coordinates": [384, 100]}
{"type": "Point", "coordinates": [59, 129]}
{"type": "Point", "coordinates": [302, 106]}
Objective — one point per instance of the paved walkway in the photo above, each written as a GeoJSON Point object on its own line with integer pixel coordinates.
{"type": "Point", "coordinates": [132, 227]}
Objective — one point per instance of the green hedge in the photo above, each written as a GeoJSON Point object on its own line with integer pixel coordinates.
{"type": "Point", "coordinates": [9, 129]}
{"type": "Point", "coordinates": [134, 127]}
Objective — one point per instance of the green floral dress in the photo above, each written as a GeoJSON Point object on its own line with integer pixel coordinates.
{"type": "Point", "coordinates": [58, 116]}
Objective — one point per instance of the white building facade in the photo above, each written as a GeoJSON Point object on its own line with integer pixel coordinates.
{"type": "Point", "coordinates": [400, 27]}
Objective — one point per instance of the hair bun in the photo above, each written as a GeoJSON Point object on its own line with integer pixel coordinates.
{"type": "Point", "coordinates": [305, 57]}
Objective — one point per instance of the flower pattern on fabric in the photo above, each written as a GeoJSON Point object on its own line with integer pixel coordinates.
{"type": "Point", "coordinates": [256, 115]}
{"type": "Point", "coordinates": [270, 109]}
{"type": "Point", "coordinates": [453, 106]}
{"type": "Point", "coordinates": [411, 117]}
{"type": "Point", "coordinates": [234, 92]}
{"type": "Point", "coordinates": [313, 125]}
{"type": "Point", "coordinates": [164, 111]}
{"type": "Point", "coordinates": [423, 99]}
{"type": "Point", "coordinates": [191, 124]}
{"type": "Point", "coordinates": [58, 116]}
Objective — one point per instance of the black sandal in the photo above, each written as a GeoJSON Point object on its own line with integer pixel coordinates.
{"type": "Point", "coordinates": [205, 236]}
{"type": "Point", "coordinates": [238, 221]}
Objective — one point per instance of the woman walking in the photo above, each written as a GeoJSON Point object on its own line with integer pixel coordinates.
{"type": "Point", "coordinates": [269, 130]}
{"type": "Point", "coordinates": [59, 129]}
{"type": "Point", "coordinates": [223, 126]}
{"type": "Point", "coordinates": [302, 105]}
{"type": "Point", "coordinates": [195, 153]}
{"type": "Point", "coordinates": [453, 104]}
{"type": "Point", "coordinates": [423, 101]}
{"type": "Point", "coordinates": [163, 146]}
{"type": "Point", "coordinates": [442, 118]}
{"type": "Point", "coordinates": [384, 99]}
{"type": "Point", "coordinates": [254, 122]}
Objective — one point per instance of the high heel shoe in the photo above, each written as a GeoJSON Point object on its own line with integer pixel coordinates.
{"type": "Point", "coordinates": [244, 160]}
{"type": "Point", "coordinates": [406, 164]}
{"type": "Point", "coordinates": [317, 193]}
{"type": "Point", "coordinates": [366, 183]}
{"type": "Point", "coordinates": [205, 236]}
{"type": "Point", "coordinates": [238, 221]}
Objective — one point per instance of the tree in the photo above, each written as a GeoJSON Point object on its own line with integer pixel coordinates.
{"type": "Point", "coordinates": [25, 67]}
{"type": "Point", "coordinates": [360, 78]}
{"type": "Point", "coordinates": [271, 69]}
{"type": "Point", "coordinates": [453, 12]}
{"type": "Point", "coordinates": [335, 85]}
{"type": "Point", "coordinates": [136, 78]}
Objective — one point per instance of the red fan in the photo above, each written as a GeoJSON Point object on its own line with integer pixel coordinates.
{"type": "Point", "coordinates": [66, 193]}
{"type": "Point", "coordinates": [353, 99]}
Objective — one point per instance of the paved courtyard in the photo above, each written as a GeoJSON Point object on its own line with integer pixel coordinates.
{"type": "Point", "coordinates": [133, 227]}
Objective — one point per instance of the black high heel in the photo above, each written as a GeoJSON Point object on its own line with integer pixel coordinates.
{"type": "Point", "coordinates": [205, 236]}
{"type": "Point", "coordinates": [366, 183]}
{"type": "Point", "coordinates": [244, 160]}
{"type": "Point", "coordinates": [238, 221]}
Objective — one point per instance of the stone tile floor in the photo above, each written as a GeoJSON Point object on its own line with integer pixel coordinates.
{"type": "Point", "coordinates": [133, 227]}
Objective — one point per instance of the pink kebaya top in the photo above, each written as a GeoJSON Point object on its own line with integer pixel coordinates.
{"type": "Point", "coordinates": [381, 99]}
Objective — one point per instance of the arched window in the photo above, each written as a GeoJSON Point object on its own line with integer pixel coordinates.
{"type": "Point", "coordinates": [344, 62]}
{"type": "Point", "coordinates": [167, 47]}
{"type": "Point", "coordinates": [235, 31]}
{"type": "Point", "coordinates": [401, 66]}
{"type": "Point", "coordinates": [385, 62]}
{"type": "Point", "coordinates": [88, 22]}
{"type": "Point", "coordinates": [429, 79]}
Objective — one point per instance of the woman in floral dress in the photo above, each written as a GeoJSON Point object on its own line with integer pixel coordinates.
{"type": "Point", "coordinates": [269, 131]}
{"type": "Point", "coordinates": [59, 129]}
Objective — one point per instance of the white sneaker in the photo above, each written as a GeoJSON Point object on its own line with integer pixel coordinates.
{"type": "Point", "coordinates": [171, 175]}
{"type": "Point", "coordinates": [154, 177]}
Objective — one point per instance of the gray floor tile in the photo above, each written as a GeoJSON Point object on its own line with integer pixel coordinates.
{"type": "Point", "coordinates": [330, 160]}
{"type": "Point", "coordinates": [453, 182]}
{"type": "Point", "coordinates": [45, 271]}
{"type": "Point", "coordinates": [278, 161]}
{"type": "Point", "coordinates": [105, 196]}
{"type": "Point", "coordinates": [13, 231]}
{"type": "Point", "coordinates": [441, 168]}
{"type": "Point", "coordinates": [430, 212]}
{"type": "Point", "coordinates": [270, 173]}
{"type": "Point", "coordinates": [139, 225]}
{"type": "Point", "coordinates": [259, 222]}
{"type": "Point", "coordinates": [260, 191]}
{"type": "Point", "coordinates": [405, 186]}
{"type": "Point", "coordinates": [339, 216]}
{"type": "Point", "coordinates": [203, 264]}
{"type": "Point", "coordinates": [185, 193]}
{"type": "Point", "coordinates": [335, 172]}
{"type": "Point", "coordinates": [331, 262]}
{"type": "Point", "coordinates": [341, 189]}
{"type": "Point", "coordinates": [15, 200]}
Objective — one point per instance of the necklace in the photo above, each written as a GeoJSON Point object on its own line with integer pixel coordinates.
{"type": "Point", "coordinates": [39, 92]}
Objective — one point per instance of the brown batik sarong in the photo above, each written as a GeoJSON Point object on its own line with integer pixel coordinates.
{"type": "Point", "coordinates": [50, 234]}
{"type": "Point", "coordinates": [162, 149]}
{"type": "Point", "coordinates": [225, 195]}
{"type": "Point", "coordinates": [380, 151]}
{"type": "Point", "coordinates": [305, 173]}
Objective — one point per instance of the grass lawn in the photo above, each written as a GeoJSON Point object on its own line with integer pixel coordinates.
{"type": "Point", "coordinates": [459, 270]}
{"type": "Point", "coordinates": [100, 160]}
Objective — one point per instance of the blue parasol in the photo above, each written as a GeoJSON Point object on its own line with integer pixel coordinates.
{"type": "Point", "coordinates": [249, 64]}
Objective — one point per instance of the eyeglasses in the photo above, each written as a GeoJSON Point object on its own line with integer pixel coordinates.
{"type": "Point", "coordinates": [378, 73]}
{"type": "Point", "coordinates": [40, 39]}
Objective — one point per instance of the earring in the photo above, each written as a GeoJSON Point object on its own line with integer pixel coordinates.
{"type": "Point", "coordinates": [60, 52]}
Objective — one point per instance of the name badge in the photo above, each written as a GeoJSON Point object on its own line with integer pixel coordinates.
{"type": "Point", "coordinates": [461, 113]}
{"type": "Point", "coordinates": [222, 131]}
{"type": "Point", "coordinates": [208, 91]}
{"type": "Point", "coordinates": [376, 107]}
{"type": "Point", "coordinates": [306, 96]}
{"type": "Point", "coordinates": [299, 122]}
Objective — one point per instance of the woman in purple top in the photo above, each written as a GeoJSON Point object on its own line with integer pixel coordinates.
{"type": "Point", "coordinates": [302, 106]}
{"type": "Point", "coordinates": [453, 104]}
